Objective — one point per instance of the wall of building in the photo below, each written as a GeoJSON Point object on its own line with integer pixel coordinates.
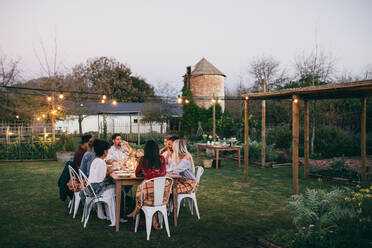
{"type": "Point", "coordinates": [207, 85]}
{"type": "Point", "coordinates": [115, 124]}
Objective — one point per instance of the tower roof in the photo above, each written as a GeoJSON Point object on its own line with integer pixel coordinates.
{"type": "Point", "coordinates": [204, 67]}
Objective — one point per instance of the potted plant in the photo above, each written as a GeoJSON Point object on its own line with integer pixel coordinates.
{"type": "Point", "coordinates": [66, 148]}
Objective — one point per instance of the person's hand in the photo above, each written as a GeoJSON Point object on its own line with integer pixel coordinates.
{"type": "Point", "coordinates": [110, 161]}
{"type": "Point", "coordinates": [110, 170]}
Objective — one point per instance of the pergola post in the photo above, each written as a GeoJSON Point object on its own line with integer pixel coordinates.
{"type": "Point", "coordinates": [295, 139]}
{"type": "Point", "coordinates": [263, 129]}
{"type": "Point", "coordinates": [246, 139]}
{"type": "Point", "coordinates": [306, 139]}
{"type": "Point", "coordinates": [363, 139]}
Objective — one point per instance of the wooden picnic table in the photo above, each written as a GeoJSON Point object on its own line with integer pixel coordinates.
{"type": "Point", "coordinates": [133, 180]}
{"type": "Point", "coordinates": [217, 149]}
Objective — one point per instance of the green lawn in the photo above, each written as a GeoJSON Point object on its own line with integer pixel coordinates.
{"type": "Point", "coordinates": [232, 213]}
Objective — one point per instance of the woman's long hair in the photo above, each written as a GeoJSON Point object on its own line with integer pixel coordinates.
{"type": "Point", "coordinates": [180, 149]}
{"type": "Point", "coordinates": [151, 158]}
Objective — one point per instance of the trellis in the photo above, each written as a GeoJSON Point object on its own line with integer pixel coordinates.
{"type": "Point", "coordinates": [358, 89]}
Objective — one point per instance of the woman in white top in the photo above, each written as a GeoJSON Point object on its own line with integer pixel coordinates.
{"type": "Point", "coordinates": [184, 167]}
{"type": "Point", "coordinates": [97, 174]}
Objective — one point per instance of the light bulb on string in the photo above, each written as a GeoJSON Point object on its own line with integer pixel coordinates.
{"type": "Point", "coordinates": [187, 101]}
{"type": "Point", "coordinates": [103, 101]}
{"type": "Point", "coordinates": [114, 102]}
{"type": "Point", "coordinates": [104, 97]}
{"type": "Point", "coordinates": [61, 96]}
{"type": "Point", "coordinates": [49, 98]}
{"type": "Point", "coordinates": [179, 99]}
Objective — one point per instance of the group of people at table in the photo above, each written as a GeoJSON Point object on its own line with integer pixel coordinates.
{"type": "Point", "coordinates": [95, 158]}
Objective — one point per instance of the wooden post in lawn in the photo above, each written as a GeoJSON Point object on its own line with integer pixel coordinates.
{"type": "Point", "coordinates": [130, 126]}
{"type": "Point", "coordinates": [214, 119]}
{"type": "Point", "coordinates": [138, 129]}
{"type": "Point", "coordinates": [295, 138]}
{"type": "Point", "coordinates": [306, 139]}
{"type": "Point", "coordinates": [363, 140]}
{"type": "Point", "coordinates": [263, 128]}
{"type": "Point", "coordinates": [246, 139]}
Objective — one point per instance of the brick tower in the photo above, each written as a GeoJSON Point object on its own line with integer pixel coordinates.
{"type": "Point", "coordinates": [205, 81]}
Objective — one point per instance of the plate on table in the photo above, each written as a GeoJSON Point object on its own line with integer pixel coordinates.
{"type": "Point", "coordinates": [122, 173]}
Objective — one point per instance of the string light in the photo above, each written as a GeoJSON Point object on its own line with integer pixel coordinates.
{"type": "Point", "coordinates": [295, 100]}
{"type": "Point", "coordinates": [17, 116]}
{"type": "Point", "coordinates": [59, 108]}
{"type": "Point", "coordinates": [114, 102]}
{"type": "Point", "coordinates": [104, 97]}
{"type": "Point", "coordinates": [213, 101]}
{"type": "Point", "coordinates": [54, 112]}
{"type": "Point", "coordinates": [179, 99]}
{"type": "Point", "coordinates": [61, 96]}
{"type": "Point", "coordinates": [43, 115]}
{"type": "Point", "coordinates": [218, 101]}
{"type": "Point", "coordinates": [38, 118]}
{"type": "Point", "coordinates": [187, 101]}
{"type": "Point", "coordinates": [102, 101]}
{"type": "Point", "coordinates": [246, 98]}
{"type": "Point", "coordinates": [49, 98]}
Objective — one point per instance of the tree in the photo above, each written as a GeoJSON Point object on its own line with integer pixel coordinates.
{"type": "Point", "coordinates": [316, 68]}
{"type": "Point", "coordinates": [109, 76]}
{"type": "Point", "coordinates": [266, 69]}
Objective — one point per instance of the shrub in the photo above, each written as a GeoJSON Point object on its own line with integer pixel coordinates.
{"type": "Point", "coordinates": [280, 137]}
{"type": "Point", "coordinates": [66, 143]}
{"type": "Point", "coordinates": [255, 151]}
{"type": "Point", "coordinates": [339, 218]}
{"type": "Point", "coordinates": [36, 150]}
{"type": "Point", "coordinates": [332, 142]}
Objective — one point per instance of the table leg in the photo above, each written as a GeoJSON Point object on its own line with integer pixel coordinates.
{"type": "Point", "coordinates": [118, 201]}
{"type": "Point", "coordinates": [217, 156]}
{"type": "Point", "coordinates": [197, 153]}
{"type": "Point", "coordinates": [174, 191]}
{"type": "Point", "coordinates": [239, 157]}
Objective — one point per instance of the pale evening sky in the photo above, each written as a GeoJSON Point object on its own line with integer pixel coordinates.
{"type": "Point", "coordinates": [158, 39]}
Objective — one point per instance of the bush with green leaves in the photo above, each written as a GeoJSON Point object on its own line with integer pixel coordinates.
{"type": "Point", "coordinates": [255, 151]}
{"type": "Point", "coordinates": [66, 143]}
{"type": "Point", "coordinates": [36, 150]}
{"type": "Point", "coordinates": [329, 219]}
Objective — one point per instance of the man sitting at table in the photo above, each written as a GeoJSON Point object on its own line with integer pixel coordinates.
{"type": "Point", "coordinates": [118, 149]}
{"type": "Point", "coordinates": [88, 158]}
{"type": "Point", "coordinates": [78, 156]}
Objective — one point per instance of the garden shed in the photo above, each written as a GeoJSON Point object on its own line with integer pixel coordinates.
{"type": "Point", "coordinates": [358, 89]}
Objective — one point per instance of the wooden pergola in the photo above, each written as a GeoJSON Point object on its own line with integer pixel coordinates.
{"type": "Point", "coordinates": [358, 89]}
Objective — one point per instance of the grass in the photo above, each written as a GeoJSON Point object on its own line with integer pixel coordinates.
{"type": "Point", "coordinates": [233, 213]}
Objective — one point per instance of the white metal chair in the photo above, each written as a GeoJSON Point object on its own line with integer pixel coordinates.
{"type": "Point", "coordinates": [75, 201]}
{"type": "Point", "coordinates": [159, 188]}
{"type": "Point", "coordinates": [90, 201]}
{"type": "Point", "coordinates": [192, 196]}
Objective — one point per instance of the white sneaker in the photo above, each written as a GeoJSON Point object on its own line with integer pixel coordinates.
{"type": "Point", "coordinates": [123, 220]}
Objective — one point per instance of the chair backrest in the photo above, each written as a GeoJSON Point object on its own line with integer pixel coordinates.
{"type": "Point", "coordinates": [73, 174]}
{"type": "Point", "coordinates": [199, 172]}
{"type": "Point", "coordinates": [83, 176]}
{"type": "Point", "coordinates": [159, 188]}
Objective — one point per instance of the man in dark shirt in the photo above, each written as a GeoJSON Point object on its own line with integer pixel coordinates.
{"type": "Point", "coordinates": [78, 156]}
